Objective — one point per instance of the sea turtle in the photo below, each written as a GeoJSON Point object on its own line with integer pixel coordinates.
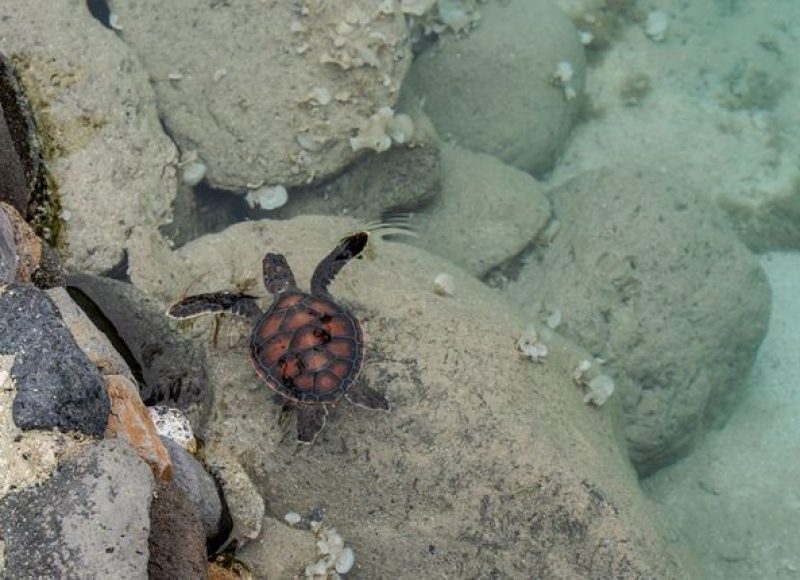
{"type": "Point", "coordinates": [306, 347]}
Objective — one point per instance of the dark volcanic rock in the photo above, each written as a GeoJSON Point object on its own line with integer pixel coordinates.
{"type": "Point", "coordinates": [90, 520]}
{"type": "Point", "coordinates": [56, 384]}
{"type": "Point", "coordinates": [177, 542]}
{"type": "Point", "coordinates": [170, 369]}
{"type": "Point", "coordinates": [20, 158]}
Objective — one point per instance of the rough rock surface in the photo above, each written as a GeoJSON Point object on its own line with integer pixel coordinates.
{"type": "Point", "coordinates": [35, 261]}
{"type": "Point", "coordinates": [198, 486]}
{"type": "Point", "coordinates": [487, 212]}
{"type": "Point", "coordinates": [404, 178]}
{"type": "Point", "coordinates": [56, 384]}
{"type": "Point", "coordinates": [106, 150]}
{"type": "Point", "coordinates": [493, 90]}
{"type": "Point", "coordinates": [90, 520]}
{"type": "Point", "coordinates": [130, 420]}
{"type": "Point", "coordinates": [487, 465]}
{"type": "Point", "coordinates": [268, 93]}
{"type": "Point", "coordinates": [20, 152]}
{"type": "Point", "coordinates": [168, 368]}
{"type": "Point", "coordinates": [26, 457]}
{"type": "Point", "coordinates": [94, 344]}
{"type": "Point", "coordinates": [648, 277]}
{"type": "Point", "coordinates": [280, 551]}
{"type": "Point", "coordinates": [177, 543]}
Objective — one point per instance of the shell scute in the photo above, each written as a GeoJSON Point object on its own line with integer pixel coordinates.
{"type": "Point", "coordinates": [307, 347]}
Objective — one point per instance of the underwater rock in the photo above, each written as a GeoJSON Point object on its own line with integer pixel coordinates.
{"type": "Point", "coordinates": [268, 94]}
{"type": "Point", "coordinates": [648, 276]}
{"type": "Point", "coordinates": [21, 162]}
{"type": "Point", "coordinates": [167, 367]}
{"type": "Point", "coordinates": [487, 211]}
{"type": "Point", "coordinates": [94, 344]}
{"type": "Point", "coordinates": [8, 249]}
{"type": "Point", "coordinates": [35, 261]}
{"type": "Point", "coordinates": [492, 91]}
{"type": "Point", "coordinates": [57, 386]}
{"type": "Point", "coordinates": [177, 545]}
{"type": "Point", "coordinates": [112, 164]}
{"type": "Point", "coordinates": [405, 178]}
{"type": "Point", "coordinates": [90, 520]}
{"type": "Point", "coordinates": [486, 465]}
{"type": "Point", "coordinates": [200, 488]}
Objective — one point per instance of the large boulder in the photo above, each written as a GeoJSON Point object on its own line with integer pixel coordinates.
{"type": "Point", "coordinates": [90, 520]}
{"type": "Point", "coordinates": [487, 212]}
{"type": "Point", "coordinates": [645, 275]}
{"type": "Point", "coordinates": [112, 164]}
{"type": "Point", "coordinates": [487, 464]}
{"type": "Point", "coordinates": [500, 90]}
{"type": "Point", "coordinates": [268, 92]}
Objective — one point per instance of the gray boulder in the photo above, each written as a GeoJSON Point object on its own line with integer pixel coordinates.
{"type": "Point", "coordinates": [267, 93]}
{"type": "Point", "coordinates": [487, 212]}
{"type": "Point", "coordinates": [113, 166]}
{"type": "Point", "coordinates": [496, 90]}
{"type": "Point", "coordinates": [647, 276]}
{"type": "Point", "coordinates": [90, 520]}
{"type": "Point", "coordinates": [487, 465]}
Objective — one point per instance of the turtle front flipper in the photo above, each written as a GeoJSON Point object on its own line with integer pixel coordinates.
{"type": "Point", "coordinates": [364, 396]}
{"type": "Point", "coordinates": [310, 421]}
{"type": "Point", "coordinates": [326, 271]}
{"type": "Point", "coordinates": [236, 303]}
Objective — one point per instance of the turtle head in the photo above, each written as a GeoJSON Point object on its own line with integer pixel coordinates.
{"type": "Point", "coordinates": [278, 275]}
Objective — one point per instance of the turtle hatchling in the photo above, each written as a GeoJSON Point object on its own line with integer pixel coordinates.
{"type": "Point", "coordinates": [306, 347]}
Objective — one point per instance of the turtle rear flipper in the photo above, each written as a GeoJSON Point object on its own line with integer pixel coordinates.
{"type": "Point", "coordinates": [236, 303]}
{"type": "Point", "coordinates": [310, 421]}
{"type": "Point", "coordinates": [326, 271]}
{"type": "Point", "coordinates": [364, 396]}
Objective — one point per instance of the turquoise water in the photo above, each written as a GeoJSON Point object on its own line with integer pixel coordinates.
{"type": "Point", "coordinates": [599, 313]}
{"type": "Point", "coordinates": [705, 91]}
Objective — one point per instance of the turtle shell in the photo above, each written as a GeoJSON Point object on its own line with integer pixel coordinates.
{"type": "Point", "coordinates": [307, 348]}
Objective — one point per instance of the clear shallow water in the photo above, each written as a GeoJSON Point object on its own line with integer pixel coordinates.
{"type": "Point", "coordinates": [720, 99]}
{"type": "Point", "coordinates": [735, 498]}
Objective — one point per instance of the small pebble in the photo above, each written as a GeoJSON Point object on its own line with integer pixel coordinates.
{"type": "Point", "coordinates": [345, 561]}
{"type": "Point", "coordinates": [292, 518]}
{"type": "Point", "coordinates": [444, 285]}
{"type": "Point", "coordinates": [193, 173]}
{"type": "Point", "coordinates": [268, 198]}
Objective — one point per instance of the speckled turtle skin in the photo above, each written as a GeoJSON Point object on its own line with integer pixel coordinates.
{"type": "Point", "coordinates": [306, 347]}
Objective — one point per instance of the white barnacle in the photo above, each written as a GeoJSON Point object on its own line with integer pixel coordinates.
{"type": "Point", "coordinates": [317, 96]}
{"type": "Point", "coordinates": [600, 389]}
{"type": "Point", "coordinates": [373, 134]}
{"type": "Point", "coordinates": [530, 345]}
{"type": "Point", "coordinates": [564, 73]}
{"type": "Point", "coordinates": [444, 285]}
{"type": "Point", "coordinates": [267, 198]}
{"type": "Point", "coordinates": [345, 561]}
{"type": "Point", "coordinates": [292, 518]}
{"type": "Point", "coordinates": [193, 173]}
{"type": "Point", "coordinates": [400, 128]}
{"type": "Point", "coordinates": [656, 25]}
